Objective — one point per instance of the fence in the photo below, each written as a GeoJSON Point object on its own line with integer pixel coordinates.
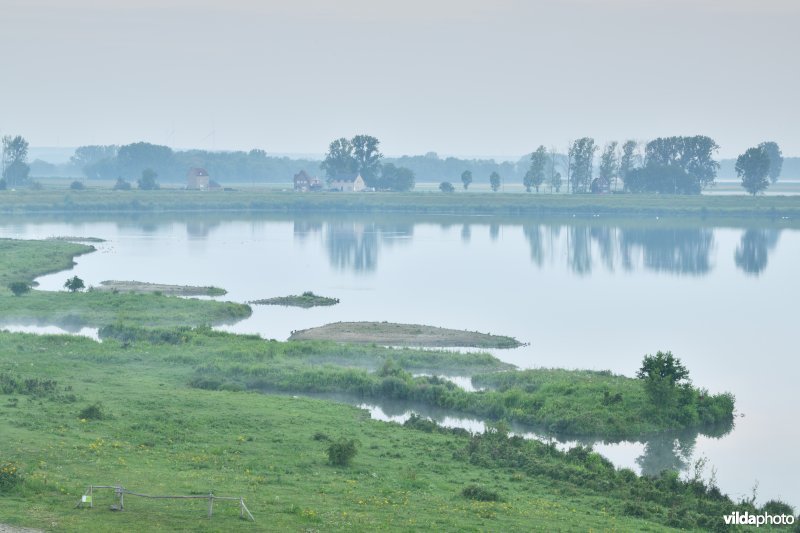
{"type": "Point", "coordinates": [120, 492]}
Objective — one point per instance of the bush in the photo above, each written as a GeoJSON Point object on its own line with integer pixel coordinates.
{"type": "Point", "coordinates": [481, 494]}
{"type": "Point", "coordinates": [342, 451]}
{"type": "Point", "coordinates": [9, 476]}
{"type": "Point", "coordinates": [18, 288]}
{"type": "Point", "coordinates": [148, 180]}
{"type": "Point", "coordinates": [74, 284]}
{"type": "Point", "coordinates": [446, 186]}
{"type": "Point", "coordinates": [122, 185]}
{"type": "Point", "coordinates": [777, 507]}
{"type": "Point", "coordinates": [76, 185]}
{"type": "Point", "coordinates": [92, 412]}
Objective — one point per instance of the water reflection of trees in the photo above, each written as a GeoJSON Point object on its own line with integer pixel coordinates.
{"type": "Point", "coordinates": [355, 245]}
{"type": "Point", "coordinates": [674, 451]}
{"type": "Point", "coordinates": [679, 251]}
{"type": "Point", "coordinates": [752, 253]}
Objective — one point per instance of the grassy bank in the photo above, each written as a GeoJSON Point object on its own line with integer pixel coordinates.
{"type": "Point", "coordinates": [392, 334]}
{"type": "Point", "coordinates": [74, 412]}
{"type": "Point", "coordinates": [258, 199]}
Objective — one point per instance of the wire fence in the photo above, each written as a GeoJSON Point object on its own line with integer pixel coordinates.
{"type": "Point", "coordinates": [120, 492]}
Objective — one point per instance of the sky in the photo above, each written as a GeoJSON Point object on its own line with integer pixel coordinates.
{"type": "Point", "coordinates": [457, 77]}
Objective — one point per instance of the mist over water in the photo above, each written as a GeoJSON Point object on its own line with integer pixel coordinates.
{"type": "Point", "coordinates": [585, 293]}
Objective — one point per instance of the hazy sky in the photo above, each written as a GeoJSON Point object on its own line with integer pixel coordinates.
{"type": "Point", "coordinates": [462, 77]}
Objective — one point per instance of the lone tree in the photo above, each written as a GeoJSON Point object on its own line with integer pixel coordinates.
{"type": "Point", "coordinates": [74, 284]}
{"type": "Point", "coordinates": [466, 179]}
{"type": "Point", "coordinates": [494, 181]}
{"type": "Point", "coordinates": [15, 160]}
{"type": "Point", "coordinates": [663, 374]}
{"type": "Point", "coordinates": [446, 186]}
{"type": "Point", "coordinates": [148, 180]}
{"type": "Point", "coordinates": [753, 167]}
{"type": "Point", "coordinates": [18, 288]}
{"type": "Point", "coordinates": [534, 177]}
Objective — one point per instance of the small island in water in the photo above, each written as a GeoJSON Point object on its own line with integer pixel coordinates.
{"type": "Point", "coordinates": [306, 300]}
{"type": "Point", "coordinates": [392, 334]}
{"type": "Point", "coordinates": [162, 288]}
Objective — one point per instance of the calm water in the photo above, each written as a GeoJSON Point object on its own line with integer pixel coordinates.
{"type": "Point", "coordinates": [584, 293]}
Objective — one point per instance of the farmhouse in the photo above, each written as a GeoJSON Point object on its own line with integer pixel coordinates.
{"type": "Point", "coordinates": [354, 184]}
{"type": "Point", "coordinates": [303, 182]}
{"type": "Point", "coordinates": [197, 179]}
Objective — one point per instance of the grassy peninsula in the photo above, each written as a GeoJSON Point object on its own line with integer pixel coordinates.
{"type": "Point", "coordinates": [162, 288]}
{"type": "Point", "coordinates": [25, 260]}
{"type": "Point", "coordinates": [75, 412]}
{"type": "Point", "coordinates": [392, 334]}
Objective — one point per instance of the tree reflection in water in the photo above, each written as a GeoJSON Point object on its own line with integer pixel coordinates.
{"type": "Point", "coordinates": [752, 253]}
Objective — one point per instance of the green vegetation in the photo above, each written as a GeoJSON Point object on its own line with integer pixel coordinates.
{"type": "Point", "coordinates": [18, 288]}
{"type": "Point", "coordinates": [74, 284]}
{"type": "Point", "coordinates": [25, 260]}
{"type": "Point", "coordinates": [159, 436]}
{"type": "Point", "coordinates": [306, 300]}
{"type": "Point", "coordinates": [162, 288]}
{"type": "Point", "coordinates": [99, 200]}
{"type": "Point", "coordinates": [391, 334]}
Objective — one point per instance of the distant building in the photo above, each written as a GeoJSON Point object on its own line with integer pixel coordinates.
{"type": "Point", "coordinates": [354, 184]}
{"type": "Point", "coordinates": [303, 182]}
{"type": "Point", "coordinates": [197, 179]}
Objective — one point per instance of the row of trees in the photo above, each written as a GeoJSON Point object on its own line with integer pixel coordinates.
{"type": "Point", "coordinates": [347, 158]}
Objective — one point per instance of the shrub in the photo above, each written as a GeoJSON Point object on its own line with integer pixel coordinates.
{"type": "Point", "coordinates": [92, 412]}
{"type": "Point", "coordinates": [76, 185]}
{"type": "Point", "coordinates": [446, 186]}
{"type": "Point", "coordinates": [481, 494]}
{"type": "Point", "coordinates": [777, 507]}
{"type": "Point", "coordinates": [74, 284]}
{"type": "Point", "coordinates": [10, 476]}
{"type": "Point", "coordinates": [18, 288]}
{"type": "Point", "coordinates": [122, 185]}
{"type": "Point", "coordinates": [342, 451]}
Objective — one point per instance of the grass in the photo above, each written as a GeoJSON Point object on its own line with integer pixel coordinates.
{"type": "Point", "coordinates": [392, 334]}
{"type": "Point", "coordinates": [158, 436]}
{"type": "Point", "coordinates": [173, 290]}
{"type": "Point", "coordinates": [25, 260]}
{"type": "Point", "coordinates": [306, 300]}
{"type": "Point", "coordinates": [103, 200]}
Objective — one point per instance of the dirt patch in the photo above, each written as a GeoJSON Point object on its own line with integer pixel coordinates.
{"type": "Point", "coordinates": [171, 290]}
{"type": "Point", "coordinates": [5, 528]}
{"type": "Point", "coordinates": [392, 334]}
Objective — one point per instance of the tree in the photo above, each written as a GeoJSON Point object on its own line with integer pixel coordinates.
{"type": "Point", "coordinates": [753, 167]}
{"type": "Point", "coordinates": [446, 186]}
{"type": "Point", "coordinates": [15, 160]}
{"type": "Point", "coordinates": [394, 178]}
{"type": "Point", "coordinates": [627, 162]}
{"type": "Point", "coordinates": [132, 159]}
{"type": "Point", "coordinates": [494, 181]}
{"type": "Point", "coordinates": [466, 179]}
{"type": "Point", "coordinates": [775, 159]}
{"type": "Point", "coordinates": [668, 179]}
{"type": "Point", "coordinates": [74, 284]}
{"type": "Point", "coordinates": [91, 159]}
{"type": "Point", "coordinates": [367, 158]}
{"type": "Point", "coordinates": [581, 155]}
{"type": "Point", "coordinates": [18, 288]}
{"type": "Point", "coordinates": [693, 155]}
{"type": "Point", "coordinates": [609, 166]}
{"type": "Point", "coordinates": [148, 180]}
{"type": "Point", "coordinates": [555, 177]}
{"type": "Point", "coordinates": [662, 374]}
{"type": "Point", "coordinates": [534, 177]}
{"type": "Point", "coordinates": [77, 185]}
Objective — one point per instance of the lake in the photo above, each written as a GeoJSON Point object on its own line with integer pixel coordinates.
{"type": "Point", "coordinates": [585, 293]}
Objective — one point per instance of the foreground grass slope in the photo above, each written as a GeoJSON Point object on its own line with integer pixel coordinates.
{"type": "Point", "coordinates": [151, 432]}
